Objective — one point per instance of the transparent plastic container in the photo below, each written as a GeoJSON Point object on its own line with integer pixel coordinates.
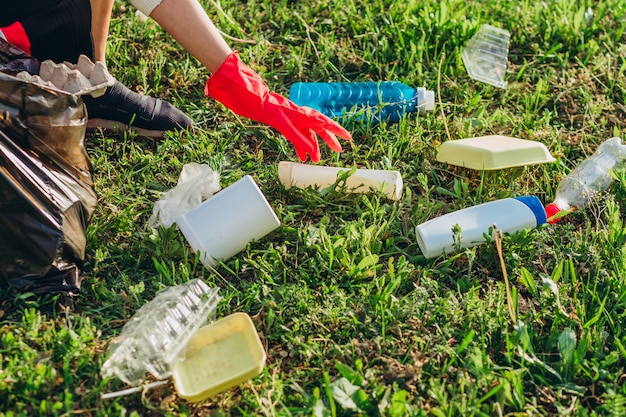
{"type": "Point", "coordinates": [588, 179]}
{"type": "Point", "coordinates": [485, 55]}
{"type": "Point", "coordinates": [152, 340]}
{"type": "Point", "coordinates": [385, 100]}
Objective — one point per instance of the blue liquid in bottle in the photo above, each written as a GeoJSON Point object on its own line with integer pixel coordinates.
{"type": "Point", "coordinates": [386, 100]}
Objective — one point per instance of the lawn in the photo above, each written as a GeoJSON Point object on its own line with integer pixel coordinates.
{"type": "Point", "coordinates": [353, 318]}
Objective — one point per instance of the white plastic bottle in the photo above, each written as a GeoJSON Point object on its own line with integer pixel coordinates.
{"type": "Point", "coordinates": [388, 182]}
{"type": "Point", "coordinates": [510, 215]}
{"type": "Point", "coordinates": [588, 179]}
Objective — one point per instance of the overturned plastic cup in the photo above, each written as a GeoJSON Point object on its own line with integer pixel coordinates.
{"type": "Point", "coordinates": [486, 54]}
{"type": "Point", "coordinates": [225, 223]}
{"type": "Point", "coordinates": [298, 175]}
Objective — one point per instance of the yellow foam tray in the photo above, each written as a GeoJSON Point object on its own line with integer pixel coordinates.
{"type": "Point", "coordinates": [493, 152]}
{"type": "Point", "coordinates": [218, 357]}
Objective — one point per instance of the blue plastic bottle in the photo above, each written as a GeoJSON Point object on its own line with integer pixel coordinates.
{"type": "Point", "coordinates": [385, 100]}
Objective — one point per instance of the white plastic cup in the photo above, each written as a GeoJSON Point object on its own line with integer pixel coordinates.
{"type": "Point", "coordinates": [225, 223]}
{"type": "Point", "coordinates": [292, 174]}
{"type": "Point", "coordinates": [510, 215]}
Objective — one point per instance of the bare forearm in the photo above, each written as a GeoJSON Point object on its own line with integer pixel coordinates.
{"type": "Point", "coordinates": [187, 22]}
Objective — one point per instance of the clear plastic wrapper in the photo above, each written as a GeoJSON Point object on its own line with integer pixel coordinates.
{"type": "Point", "coordinates": [152, 340]}
{"type": "Point", "coordinates": [486, 54]}
{"type": "Point", "coordinates": [196, 183]}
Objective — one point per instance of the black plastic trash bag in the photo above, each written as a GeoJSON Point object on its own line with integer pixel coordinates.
{"type": "Point", "coordinates": [46, 190]}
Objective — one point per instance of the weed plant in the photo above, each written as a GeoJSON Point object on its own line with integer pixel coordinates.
{"type": "Point", "coordinates": [354, 320]}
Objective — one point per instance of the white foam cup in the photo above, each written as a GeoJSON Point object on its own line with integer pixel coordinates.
{"type": "Point", "coordinates": [292, 174]}
{"type": "Point", "coordinates": [225, 223]}
{"type": "Point", "coordinates": [435, 237]}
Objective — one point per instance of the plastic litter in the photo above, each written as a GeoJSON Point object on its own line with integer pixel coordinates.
{"type": "Point", "coordinates": [385, 100]}
{"type": "Point", "coordinates": [153, 338]}
{"type": "Point", "coordinates": [588, 179]}
{"type": "Point", "coordinates": [493, 152]}
{"type": "Point", "coordinates": [388, 182]}
{"type": "Point", "coordinates": [219, 356]}
{"type": "Point", "coordinates": [436, 236]}
{"type": "Point", "coordinates": [196, 183]}
{"type": "Point", "coordinates": [224, 224]}
{"type": "Point", "coordinates": [486, 54]}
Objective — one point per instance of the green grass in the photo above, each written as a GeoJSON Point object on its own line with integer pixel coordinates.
{"type": "Point", "coordinates": [355, 321]}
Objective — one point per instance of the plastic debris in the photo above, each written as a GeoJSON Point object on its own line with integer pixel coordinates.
{"type": "Point", "coordinates": [196, 183]}
{"type": "Point", "coordinates": [485, 55]}
{"type": "Point", "coordinates": [154, 337]}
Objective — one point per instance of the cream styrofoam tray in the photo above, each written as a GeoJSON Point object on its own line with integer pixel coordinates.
{"type": "Point", "coordinates": [493, 152]}
{"type": "Point", "coordinates": [219, 356]}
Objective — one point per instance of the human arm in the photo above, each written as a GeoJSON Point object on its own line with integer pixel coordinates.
{"type": "Point", "coordinates": [237, 86]}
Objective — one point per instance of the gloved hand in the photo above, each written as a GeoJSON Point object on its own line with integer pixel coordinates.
{"type": "Point", "coordinates": [243, 91]}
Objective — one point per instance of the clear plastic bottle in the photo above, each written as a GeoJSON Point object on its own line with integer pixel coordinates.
{"type": "Point", "coordinates": [588, 179]}
{"type": "Point", "coordinates": [385, 100]}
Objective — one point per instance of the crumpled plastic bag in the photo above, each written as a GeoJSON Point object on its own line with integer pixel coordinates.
{"type": "Point", "coordinates": [196, 183]}
{"type": "Point", "coordinates": [13, 60]}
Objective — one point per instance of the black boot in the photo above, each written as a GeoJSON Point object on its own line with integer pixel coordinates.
{"type": "Point", "coordinates": [120, 108]}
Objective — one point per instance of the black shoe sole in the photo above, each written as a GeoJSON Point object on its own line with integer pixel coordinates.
{"type": "Point", "coordinates": [117, 127]}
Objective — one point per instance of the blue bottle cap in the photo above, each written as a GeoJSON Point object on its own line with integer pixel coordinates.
{"type": "Point", "coordinates": [534, 204]}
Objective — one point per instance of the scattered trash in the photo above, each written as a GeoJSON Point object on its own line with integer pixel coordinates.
{"type": "Point", "coordinates": [467, 227]}
{"type": "Point", "coordinates": [47, 196]}
{"type": "Point", "coordinates": [224, 224]}
{"type": "Point", "coordinates": [299, 175]}
{"type": "Point", "coordinates": [169, 337]}
{"type": "Point", "coordinates": [152, 340]}
{"type": "Point", "coordinates": [219, 356]}
{"type": "Point", "coordinates": [196, 183]}
{"type": "Point", "coordinates": [82, 78]}
{"type": "Point", "coordinates": [485, 55]}
{"type": "Point", "coordinates": [493, 152]}
{"type": "Point", "coordinates": [385, 100]}
{"type": "Point", "coordinates": [587, 180]}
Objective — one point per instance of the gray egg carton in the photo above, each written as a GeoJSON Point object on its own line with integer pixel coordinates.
{"type": "Point", "coordinates": [84, 77]}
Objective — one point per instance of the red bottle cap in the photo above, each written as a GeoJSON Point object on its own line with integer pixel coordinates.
{"type": "Point", "coordinates": [551, 210]}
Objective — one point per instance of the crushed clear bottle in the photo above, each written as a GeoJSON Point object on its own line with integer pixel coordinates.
{"type": "Point", "coordinates": [587, 180]}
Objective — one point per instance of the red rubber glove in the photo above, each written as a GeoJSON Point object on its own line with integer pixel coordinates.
{"type": "Point", "coordinates": [243, 91]}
